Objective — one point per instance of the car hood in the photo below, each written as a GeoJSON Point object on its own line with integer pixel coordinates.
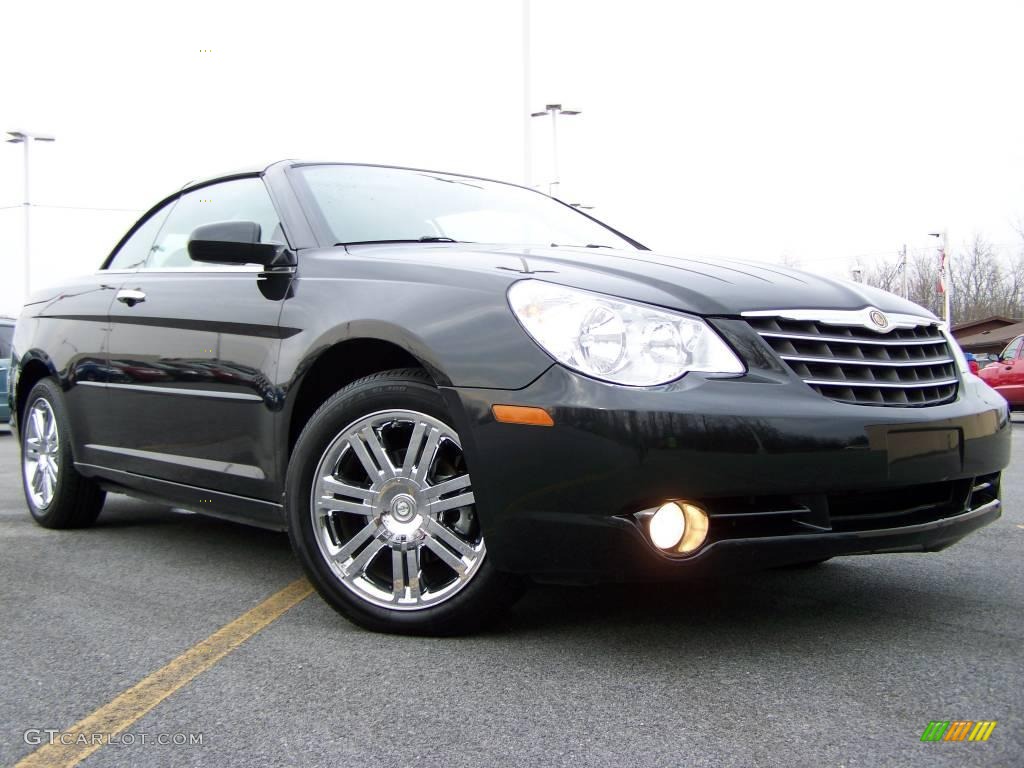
{"type": "Point", "coordinates": [700, 285]}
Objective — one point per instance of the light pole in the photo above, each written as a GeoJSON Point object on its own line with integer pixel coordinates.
{"type": "Point", "coordinates": [554, 110]}
{"type": "Point", "coordinates": [944, 276]}
{"type": "Point", "coordinates": [904, 278]}
{"type": "Point", "coordinates": [527, 144]}
{"type": "Point", "coordinates": [26, 138]}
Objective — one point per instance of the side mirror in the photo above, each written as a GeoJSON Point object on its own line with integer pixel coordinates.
{"type": "Point", "coordinates": [236, 242]}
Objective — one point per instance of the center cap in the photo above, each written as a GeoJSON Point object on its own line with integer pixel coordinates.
{"type": "Point", "coordinates": [403, 508]}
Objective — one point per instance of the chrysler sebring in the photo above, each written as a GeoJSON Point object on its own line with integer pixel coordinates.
{"type": "Point", "coordinates": [443, 387]}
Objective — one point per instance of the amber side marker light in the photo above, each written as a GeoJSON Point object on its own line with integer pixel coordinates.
{"type": "Point", "coordinates": [522, 414]}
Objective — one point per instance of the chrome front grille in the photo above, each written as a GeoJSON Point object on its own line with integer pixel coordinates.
{"type": "Point", "coordinates": [907, 366]}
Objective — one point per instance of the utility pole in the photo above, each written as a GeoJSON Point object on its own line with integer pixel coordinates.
{"type": "Point", "coordinates": [554, 110]}
{"type": "Point", "coordinates": [527, 143]}
{"type": "Point", "coordinates": [26, 138]}
{"type": "Point", "coordinates": [903, 271]}
{"type": "Point", "coordinates": [945, 283]}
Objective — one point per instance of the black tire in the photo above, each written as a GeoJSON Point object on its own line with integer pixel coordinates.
{"type": "Point", "coordinates": [487, 593]}
{"type": "Point", "coordinates": [76, 500]}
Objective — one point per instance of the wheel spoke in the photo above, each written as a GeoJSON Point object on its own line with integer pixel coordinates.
{"type": "Point", "coordinates": [361, 562]}
{"type": "Point", "coordinates": [364, 458]}
{"type": "Point", "coordinates": [439, 549]}
{"type": "Point", "coordinates": [37, 477]}
{"type": "Point", "coordinates": [48, 483]}
{"type": "Point", "coordinates": [328, 504]}
{"type": "Point", "coordinates": [397, 574]}
{"type": "Point", "coordinates": [405, 574]}
{"type": "Point", "coordinates": [441, 533]}
{"type": "Point", "coordinates": [412, 566]}
{"type": "Point", "coordinates": [333, 485]}
{"type": "Point", "coordinates": [349, 547]}
{"type": "Point", "coordinates": [369, 435]}
{"type": "Point", "coordinates": [454, 502]}
{"type": "Point", "coordinates": [51, 429]}
{"type": "Point", "coordinates": [32, 447]}
{"type": "Point", "coordinates": [448, 486]}
{"type": "Point", "coordinates": [427, 457]}
{"type": "Point", "coordinates": [415, 442]}
{"type": "Point", "coordinates": [39, 423]}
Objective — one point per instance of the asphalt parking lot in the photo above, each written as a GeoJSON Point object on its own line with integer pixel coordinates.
{"type": "Point", "coordinates": [844, 665]}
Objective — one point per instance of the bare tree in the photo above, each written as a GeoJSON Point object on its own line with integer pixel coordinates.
{"type": "Point", "coordinates": [923, 280]}
{"type": "Point", "coordinates": [885, 274]}
{"type": "Point", "coordinates": [981, 284]}
{"type": "Point", "coordinates": [977, 281]}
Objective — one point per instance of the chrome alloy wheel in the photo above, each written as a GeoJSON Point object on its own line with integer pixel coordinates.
{"type": "Point", "coordinates": [42, 450]}
{"type": "Point", "coordinates": [393, 510]}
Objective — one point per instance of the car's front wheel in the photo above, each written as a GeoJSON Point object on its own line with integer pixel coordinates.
{"type": "Point", "coordinates": [382, 513]}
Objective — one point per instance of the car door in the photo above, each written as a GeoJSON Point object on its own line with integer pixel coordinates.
{"type": "Point", "coordinates": [71, 328]}
{"type": "Point", "coordinates": [1009, 372]}
{"type": "Point", "coordinates": [192, 351]}
{"type": "Point", "coordinates": [995, 374]}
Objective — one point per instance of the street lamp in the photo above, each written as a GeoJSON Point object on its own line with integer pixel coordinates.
{"type": "Point", "coordinates": [554, 110]}
{"type": "Point", "coordinates": [26, 138]}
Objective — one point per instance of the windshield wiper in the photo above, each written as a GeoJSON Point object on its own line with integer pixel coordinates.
{"type": "Point", "coordinates": [424, 239]}
{"type": "Point", "coordinates": [588, 245]}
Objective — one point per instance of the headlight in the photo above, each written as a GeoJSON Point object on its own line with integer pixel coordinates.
{"type": "Point", "coordinates": [616, 340]}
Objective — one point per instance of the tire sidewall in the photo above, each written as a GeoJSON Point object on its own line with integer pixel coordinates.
{"type": "Point", "coordinates": [347, 406]}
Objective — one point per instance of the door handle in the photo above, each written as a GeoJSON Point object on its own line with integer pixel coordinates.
{"type": "Point", "coordinates": [130, 296]}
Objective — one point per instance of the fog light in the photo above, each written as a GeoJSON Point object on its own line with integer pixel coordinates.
{"type": "Point", "coordinates": [667, 525]}
{"type": "Point", "coordinates": [677, 526]}
{"type": "Point", "coordinates": [696, 529]}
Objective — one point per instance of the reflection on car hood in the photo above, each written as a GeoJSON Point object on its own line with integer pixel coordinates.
{"type": "Point", "coordinates": [701, 285]}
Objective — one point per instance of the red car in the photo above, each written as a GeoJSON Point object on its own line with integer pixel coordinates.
{"type": "Point", "coordinates": [1006, 375]}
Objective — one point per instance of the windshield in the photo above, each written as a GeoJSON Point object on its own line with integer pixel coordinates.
{"type": "Point", "coordinates": [368, 204]}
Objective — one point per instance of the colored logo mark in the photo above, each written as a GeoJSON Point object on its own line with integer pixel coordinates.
{"type": "Point", "coordinates": [958, 730]}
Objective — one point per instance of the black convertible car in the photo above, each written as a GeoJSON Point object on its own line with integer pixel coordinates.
{"type": "Point", "coordinates": [443, 386]}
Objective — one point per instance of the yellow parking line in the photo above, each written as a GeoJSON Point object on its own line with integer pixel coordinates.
{"type": "Point", "coordinates": [131, 705]}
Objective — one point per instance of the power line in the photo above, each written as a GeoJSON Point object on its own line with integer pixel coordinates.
{"type": "Point", "coordinates": [88, 208]}
{"type": "Point", "coordinates": [72, 208]}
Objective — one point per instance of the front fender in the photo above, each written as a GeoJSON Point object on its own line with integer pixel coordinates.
{"type": "Point", "coordinates": [463, 333]}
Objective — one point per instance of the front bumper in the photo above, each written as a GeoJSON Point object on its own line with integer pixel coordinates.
{"type": "Point", "coordinates": [786, 474]}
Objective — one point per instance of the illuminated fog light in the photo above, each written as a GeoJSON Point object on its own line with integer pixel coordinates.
{"type": "Point", "coordinates": [696, 529]}
{"type": "Point", "coordinates": [677, 527]}
{"type": "Point", "coordinates": [667, 526]}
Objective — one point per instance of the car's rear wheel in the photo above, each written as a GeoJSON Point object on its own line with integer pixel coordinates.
{"type": "Point", "coordinates": [57, 495]}
{"type": "Point", "coordinates": [382, 512]}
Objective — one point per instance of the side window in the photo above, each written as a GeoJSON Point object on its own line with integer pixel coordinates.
{"type": "Point", "coordinates": [237, 200]}
{"type": "Point", "coordinates": [1012, 351]}
{"type": "Point", "coordinates": [135, 250]}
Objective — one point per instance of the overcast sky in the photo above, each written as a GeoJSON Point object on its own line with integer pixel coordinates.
{"type": "Point", "coordinates": [814, 131]}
